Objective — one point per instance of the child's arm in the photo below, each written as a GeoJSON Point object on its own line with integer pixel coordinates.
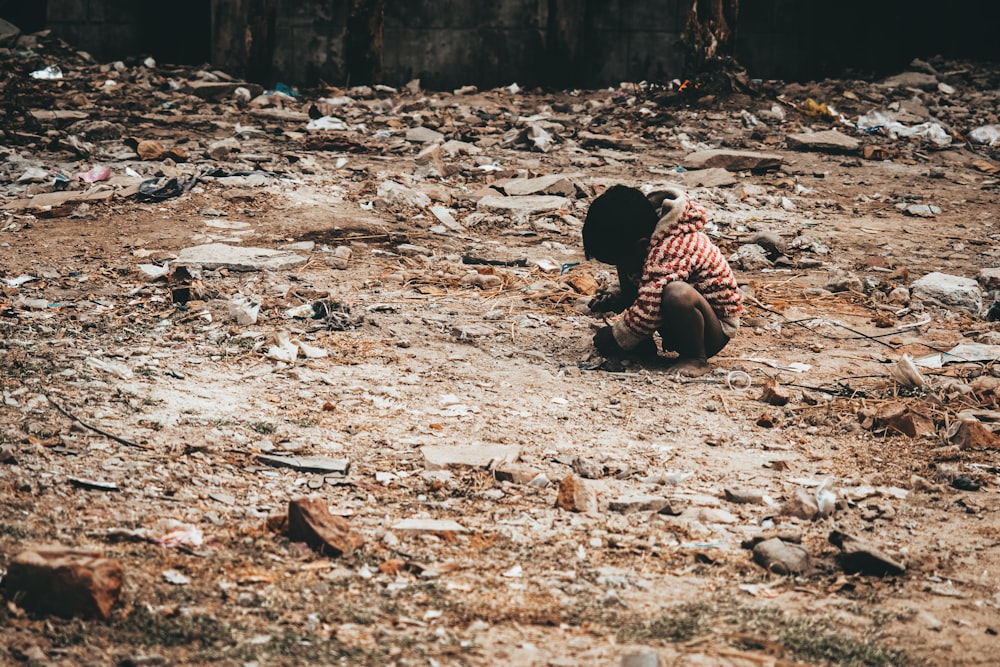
{"type": "Point", "coordinates": [618, 299]}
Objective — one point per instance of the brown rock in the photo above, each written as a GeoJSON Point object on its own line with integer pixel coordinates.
{"type": "Point", "coordinates": [514, 473]}
{"type": "Point", "coordinates": [64, 582]}
{"type": "Point", "coordinates": [901, 418]}
{"type": "Point", "coordinates": [802, 505]}
{"type": "Point", "coordinates": [973, 435]}
{"type": "Point", "coordinates": [151, 149]}
{"type": "Point", "coordinates": [584, 283]}
{"type": "Point", "coordinates": [775, 394]}
{"type": "Point", "coordinates": [310, 521]}
{"type": "Point", "coordinates": [574, 495]}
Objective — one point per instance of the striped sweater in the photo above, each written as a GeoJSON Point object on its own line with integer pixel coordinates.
{"type": "Point", "coordinates": [679, 250]}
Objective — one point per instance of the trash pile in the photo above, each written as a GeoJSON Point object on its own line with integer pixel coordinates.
{"type": "Point", "coordinates": [308, 372]}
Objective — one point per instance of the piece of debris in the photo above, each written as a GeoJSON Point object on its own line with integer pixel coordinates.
{"type": "Point", "coordinates": [310, 521]}
{"type": "Point", "coordinates": [429, 526]}
{"type": "Point", "coordinates": [219, 255]}
{"type": "Point", "coordinates": [950, 291]}
{"type": "Point", "coordinates": [315, 464]}
{"type": "Point", "coordinates": [444, 457]}
{"type": "Point", "coordinates": [642, 503]}
{"type": "Point", "coordinates": [575, 496]}
{"type": "Point", "coordinates": [732, 160]}
{"type": "Point", "coordinates": [860, 557]}
{"type": "Point", "coordinates": [827, 140]}
{"type": "Point", "coordinates": [774, 394]}
{"type": "Point", "coordinates": [780, 557]}
{"type": "Point", "coordinates": [65, 582]}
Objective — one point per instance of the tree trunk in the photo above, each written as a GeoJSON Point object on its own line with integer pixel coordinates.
{"type": "Point", "coordinates": [710, 29]}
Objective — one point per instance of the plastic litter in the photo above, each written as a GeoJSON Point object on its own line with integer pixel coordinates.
{"type": "Point", "coordinates": [905, 373]}
{"type": "Point", "coordinates": [878, 121]}
{"type": "Point", "coordinates": [94, 175]}
{"type": "Point", "coordinates": [988, 135]}
{"type": "Point", "coordinates": [50, 73]}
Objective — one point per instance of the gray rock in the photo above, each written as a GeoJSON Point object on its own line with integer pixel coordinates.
{"type": "Point", "coordinates": [529, 205]}
{"type": "Point", "coordinates": [845, 282]}
{"type": "Point", "coordinates": [429, 526]}
{"type": "Point", "coordinates": [442, 457]}
{"type": "Point", "coordinates": [771, 242]}
{"type": "Point", "coordinates": [779, 557]}
{"type": "Point", "coordinates": [644, 658]}
{"type": "Point", "coordinates": [922, 210]}
{"type": "Point", "coordinates": [220, 150]}
{"type": "Point", "coordinates": [218, 90]}
{"type": "Point", "coordinates": [827, 140]}
{"type": "Point", "coordinates": [750, 257]}
{"type": "Point", "coordinates": [708, 178]}
{"type": "Point", "coordinates": [424, 135]}
{"type": "Point", "coordinates": [920, 80]}
{"type": "Point", "coordinates": [640, 503]}
{"type": "Point", "coordinates": [859, 556]}
{"type": "Point", "coordinates": [802, 505]}
{"type": "Point", "coordinates": [732, 160]}
{"type": "Point", "coordinates": [220, 255]}
{"type": "Point", "coordinates": [989, 278]}
{"type": "Point", "coordinates": [553, 184]}
{"type": "Point", "coordinates": [398, 195]}
{"type": "Point", "coordinates": [950, 291]}
{"type": "Point", "coordinates": [317, 464]}
{"type": "Point", "coordinates": [741, 497]}
{"type": "Point", "coordinates": [586, 468]}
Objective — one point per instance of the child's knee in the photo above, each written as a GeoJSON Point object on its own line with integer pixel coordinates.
{"type": "Point", "coordinates": [680, 295]}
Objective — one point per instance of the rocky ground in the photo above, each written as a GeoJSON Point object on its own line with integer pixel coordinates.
{"type": "Point", "coordinates": [387, 440]}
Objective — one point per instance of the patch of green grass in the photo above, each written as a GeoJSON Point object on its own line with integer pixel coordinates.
{"type": "Point", "coordinates": [147, 628]}
{"type": "Point", "coordinates": [264, 428]}
{"type": "Point", "coordinates": [807, 639]}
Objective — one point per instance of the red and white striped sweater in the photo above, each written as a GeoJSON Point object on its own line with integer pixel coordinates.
{"type": "Point", "coordinates": [679, 250]}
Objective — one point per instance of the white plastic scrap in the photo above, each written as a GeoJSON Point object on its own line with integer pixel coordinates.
{"type": "Point", "coordinates": [905, 373]}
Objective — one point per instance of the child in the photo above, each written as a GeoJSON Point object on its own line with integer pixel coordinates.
{"type": "Point", "coordinates": [672, 278]}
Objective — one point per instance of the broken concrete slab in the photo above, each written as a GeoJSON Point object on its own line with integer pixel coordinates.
{"type": "Point", "coordinates": [310, 521]}
{"type": "Point", "coordinates": [317, 464]}
{"type": "Point", "coordinates": [527, 205]}
{"type": "Point", "coordinates": [424, 135]}
{"type": "Point", "coordinates": [949, 291]}
{"type": "Point", "coordinates": [827, 140]}
{"type": "Point", "coordinates": [713, 177]}
{"type": "Point", "coordinates": [554, 184]}
{"type": "Point", "coordinates": [64, 582]}
{"type": "Point", "coordinates": [443, 215]}
{"type": "Point", "coordinates": [732, 160]}
{"type": "Point", "coordinates": [222, 256]}
{"type": "Point", "coordinates": [641, 503]}
{"type": "Point", "coordinates": [443, 457]}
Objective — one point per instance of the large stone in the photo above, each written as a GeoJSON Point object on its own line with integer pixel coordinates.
{"type": "Point", "coordinates": [920, 80]}
{"type": "Point", "coordinates": [780, 557]}
{"type": "Point", "coordinates": [802, 505]}
{"type": "Point", "coordinates": [641, 503]}
{"type": "Point", "coordinates": [398, 195]}
{"type": "Point", "coordinates": [713, 177]}
{"type": "Point", "coordinates": [219, 90]}
{"type": "Point", "coordinates": [859, 556]}
{"type": "Point", "coordinates": [316, 464]}
{"type": "Point", "coordinates": [222, 256]}
{"type": "Point", "coordinates": [64, 582]}
{"type": "Point", "coordinates": [310, 521]}
{"type": "Point", "coordinates": [989, 278]}
{"type": "Point", "coordinates": [827, 140]}
{"type": "Point", "coordinates": [443, 457]}
{"type": "Point", "coordinates": [974, 435]}
{"type": "Point", "coordinates": [553, 184]}
{"type": "Point", "coordinates": [528, 205]}
{"type": "Point", "coordinates": [950, 291]}
{"type": "Point", "coordinates": [424, 135]}
{"type": "Point", "coordinates": [575, 495]}
{"type": "Point", "coordinates": [732, 160]}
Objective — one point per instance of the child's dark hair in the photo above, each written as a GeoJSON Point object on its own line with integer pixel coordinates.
{"type": "Point", "coordinates": [615, 221]}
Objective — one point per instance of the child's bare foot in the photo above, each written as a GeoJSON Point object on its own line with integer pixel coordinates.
{"type": "Point", "coordinates": [691, 368]}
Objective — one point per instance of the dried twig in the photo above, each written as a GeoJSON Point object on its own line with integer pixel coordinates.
{"type": "Point", "coordinates": [110, 436]}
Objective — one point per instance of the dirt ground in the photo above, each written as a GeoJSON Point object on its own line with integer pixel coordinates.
{"type": "Point", "coordinates": [440, 350]}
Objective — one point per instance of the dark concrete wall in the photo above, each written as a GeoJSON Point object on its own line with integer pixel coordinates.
{"type": "Point", "coordinates": [564, 43]}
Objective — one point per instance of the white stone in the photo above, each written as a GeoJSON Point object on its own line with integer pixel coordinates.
{"type": "Point", "coordinates": [220, 255]}
{"type": "Point", "coordinates": [951, 291]}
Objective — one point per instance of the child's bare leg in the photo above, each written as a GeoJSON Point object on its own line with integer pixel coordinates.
{"type": "Point", "coordinates": [691, 329]}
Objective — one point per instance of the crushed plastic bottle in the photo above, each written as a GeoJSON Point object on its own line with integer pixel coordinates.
{"type": "Point", "coordinates": [987, 135]}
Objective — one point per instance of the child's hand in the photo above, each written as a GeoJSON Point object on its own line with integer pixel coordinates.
{"type": "Point", "coordinates": [610, 301]}
{"type": "Point", "coordinates": [607, 346]}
